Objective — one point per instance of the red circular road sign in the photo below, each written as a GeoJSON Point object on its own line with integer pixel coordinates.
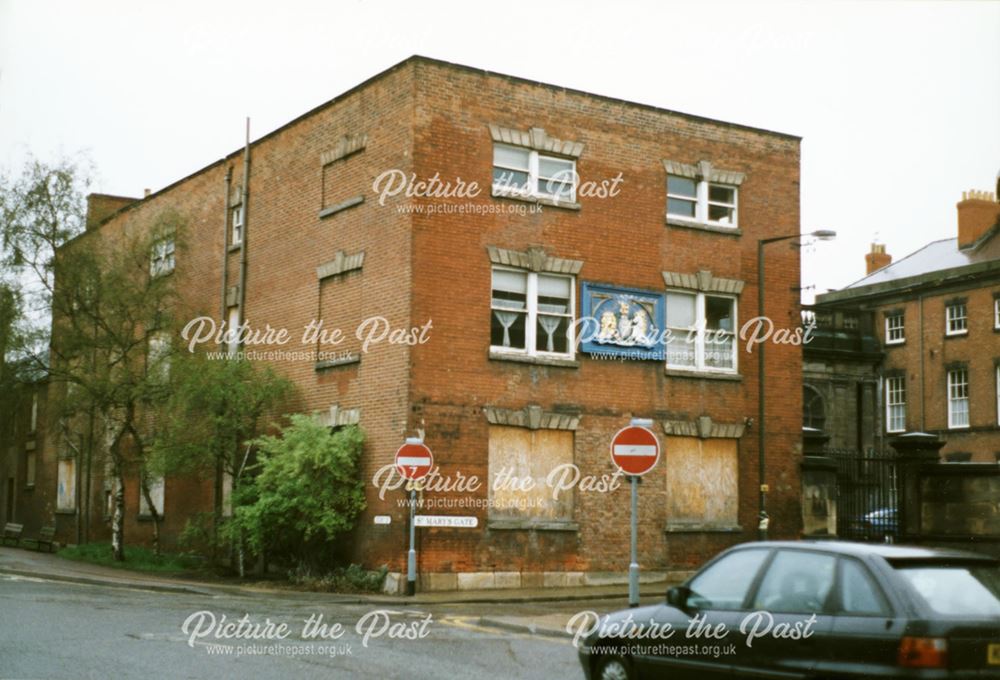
{"type": "Point", "coordinates": [635, 450]}
{"type": "Point", "coordinates": [414, 460]}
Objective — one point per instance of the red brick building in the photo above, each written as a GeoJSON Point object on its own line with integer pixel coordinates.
{"type": "Point", "coordinates": [936, 313]}
{"type": "Point", "coordinates": [482, 218]}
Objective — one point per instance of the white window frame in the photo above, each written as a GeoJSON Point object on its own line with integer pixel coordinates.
{"type": "Point", "coordinates": [890, 328]}
{"type": "Point", "coordinates": [700, 323]}
{"type": "Point", "coordinates": [533, 164]}
{"type": "Point", "coordinates": [531, 316]}
{"type": "Point", "coordinates": [158, 492]}
{"type": "Point", "coordinates": [162, 257]}
{"type": "Point", "coordinates": [996, 313]}
{"type": "Point", "coordinates": [895, 396]}
{"type": "Point", "coordinates": [998, 392]}
{"type": "Point", "coordinates": [955, 385]}
{"type": "Point", "coordinates": [701, 202]}
{"type": "Point", "coordinates": [949, 317]}
{"type": "Point", "coordinates": [236, 234]}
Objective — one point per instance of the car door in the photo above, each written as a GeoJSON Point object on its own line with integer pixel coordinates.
{"type": "Point", "coordinates": [789, 618]}
{"type": "Point", "coordinates": [718, 596]}
{"type": "Point", "coordinates": [865, 632]}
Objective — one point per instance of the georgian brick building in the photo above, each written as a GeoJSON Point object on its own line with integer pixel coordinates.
{"type": "Point", "coordinates": [936, 314]}
{"type": "Point", "coordinates": [362, 214]}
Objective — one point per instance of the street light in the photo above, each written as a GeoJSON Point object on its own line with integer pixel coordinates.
{"type": "Point", "coordinates": [822, 235]}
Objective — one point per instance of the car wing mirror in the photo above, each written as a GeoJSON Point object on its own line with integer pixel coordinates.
{"type": "Point", "coordinates": [677, 596]}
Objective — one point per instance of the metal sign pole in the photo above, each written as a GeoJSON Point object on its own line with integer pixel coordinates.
{"type": "Point", "coordinates": [633, 567]}
{"type": "Point", "coordinates": [411, 557]}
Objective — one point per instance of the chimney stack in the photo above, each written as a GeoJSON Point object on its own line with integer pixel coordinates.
{"type": "Point", "coordinates": [146, 193]}
{"type": "Point", "coordinates": [977, 212]}
{"type": "Point", "coordinates": [877, 258]}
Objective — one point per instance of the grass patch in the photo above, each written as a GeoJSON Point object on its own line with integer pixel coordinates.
{"type": "Point", "coordinates": [136, 558]}
{"type": "Point", "coordinates": [351, 579]}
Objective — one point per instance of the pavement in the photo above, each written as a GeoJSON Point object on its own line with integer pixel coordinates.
{"type": "Point", "coordinates": [48, 566]}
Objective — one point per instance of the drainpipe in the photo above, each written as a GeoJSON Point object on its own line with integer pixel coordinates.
{"type": "Point", "coordinates": [225, 249]}
{"type": "Point", "coordinates": [920, 326]}
{"type": "Point", "coordinates": [245, 207]}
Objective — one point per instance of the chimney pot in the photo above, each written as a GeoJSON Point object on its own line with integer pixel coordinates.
{"type": "Point", "coordinates": [877, 258]}
{"type": "Point", "coordinates": [978, 211]}
{"type": "Point", "coordinates": [146, 193]}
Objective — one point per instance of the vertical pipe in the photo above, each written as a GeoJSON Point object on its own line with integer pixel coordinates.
{"type": "Point", "coordinates": [411, 556]}
{"type": "Point", "coordinates": [225, 250]}
{"type": "Point", "coordinates": [245, 207]}
{"type": "Point", "coordinates": [762, 518]}
{"type": "Point", "coordinates": [633, 567]}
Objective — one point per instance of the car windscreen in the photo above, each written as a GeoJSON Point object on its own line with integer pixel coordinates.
{"type": "Point", "coordinates": [961, 590]}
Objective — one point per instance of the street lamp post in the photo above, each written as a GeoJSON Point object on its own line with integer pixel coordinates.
{"type": "Point", "coordinates": [762, 519]}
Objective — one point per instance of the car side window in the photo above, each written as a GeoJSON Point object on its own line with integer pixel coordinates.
{"type": "Point", "coordinates": [797, 582]}
{"type": "Point", "coordinates": [858, 594]}
{"type": "Point", "coordinates": [724, 584]}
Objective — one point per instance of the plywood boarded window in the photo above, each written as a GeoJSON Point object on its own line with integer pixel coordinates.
{"type": "Point", "coordinates": [702, 481]}
{"type": "Point", "coordinates": [518, 454]}
{"type": "Point", "coordinates": [66, 489]}
{"type": "Point", "coordinates": [156, 487]}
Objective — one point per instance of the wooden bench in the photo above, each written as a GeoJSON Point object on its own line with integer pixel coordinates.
{"type": "Point", "coordinates": [46, 536]}
{"type": "Point", "coordinates": [12, 532]}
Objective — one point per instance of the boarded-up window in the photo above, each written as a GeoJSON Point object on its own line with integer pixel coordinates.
{"type": "Point", "coordinates": [340, 310]}
{"type": "Point", "coordinates": [702, 481]}
{"type": "Point", "coordinates": [518, 455]}
{"type": "Point", "coordinates": [344, 179]}
{"type": "Point", "coordinates": [66, 488]}
{"type": "Point", "coordinates": [156, 493]}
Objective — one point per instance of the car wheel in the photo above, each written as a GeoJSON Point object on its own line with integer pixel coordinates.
{"type": "Point", "coordinates": [613, 668]}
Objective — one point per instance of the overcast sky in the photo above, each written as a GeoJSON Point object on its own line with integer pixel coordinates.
{"type": "Point", "coordinates": [898, 102]}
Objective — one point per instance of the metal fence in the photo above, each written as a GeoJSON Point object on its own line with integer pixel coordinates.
{"type": "Point", "coordinates": [867, 498]}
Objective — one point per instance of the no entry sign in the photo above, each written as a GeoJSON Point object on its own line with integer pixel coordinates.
{"type": "Point", "coordinates": [414, 460]}
{"type": "Point", "coordinates": [635, 450]}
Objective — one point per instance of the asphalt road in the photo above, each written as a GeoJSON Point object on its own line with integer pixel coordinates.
{"type": "Point", "coordinates": [54, 629]}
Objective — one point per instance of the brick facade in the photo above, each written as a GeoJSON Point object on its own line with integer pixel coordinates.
{"type": "Point", "coordinates": [311, 197]}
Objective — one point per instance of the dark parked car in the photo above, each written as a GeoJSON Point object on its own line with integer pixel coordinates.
{"type": "Point", "coordinates": [812, 609]}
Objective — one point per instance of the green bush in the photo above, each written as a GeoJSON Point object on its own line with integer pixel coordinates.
{"type": "Point", "coordinates": [306, 492]}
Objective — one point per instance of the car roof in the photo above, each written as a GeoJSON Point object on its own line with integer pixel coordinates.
{"type": "Point", "coordinates": [889, 552]}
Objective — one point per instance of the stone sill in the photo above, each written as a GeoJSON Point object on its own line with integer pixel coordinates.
{"type": "Point", "coordinates": [702, 375]}
{"type": "Point", "coordinates": [343, 205]}
{"type": "Point", "coordinates": [702, 226]}
{"type": "Point", "coordinates": [536, 360]}
{"type": "Point", "coordinates": [147, 518]}
{"type": "Point", "coordinates": [540, 200]}
{"type": "Point", "coordinates": [65, 512]}
{"type": "Point", "coordinates": [898, 343]}
{"type": "Point", "coordinates": [531, 525]}
{"type": "Point", "coordinates": [233, 248]}
{"type": "Point", "coordinates": [963, 334]}
{"type": "Point", "coordinates": [29, 487]}
{"type": "Point", "coordinates": [702, 529]}
{"type": "Point", "coordinates": [334, 363]}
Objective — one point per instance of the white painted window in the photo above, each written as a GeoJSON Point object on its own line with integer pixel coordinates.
{"type": "Point", "coordinates": [895, 404]}
{"type": "Point", "coordinates": [958, 398]}
{"type": "Point", "coordinates": [237, 225]}
{"type": "Point", "coordinates": [29, 469]}
{"type": "Point", "coordinates": [232, 334]}
{"type": "Point", "coordinates": [532, 313]}
{"type": "Point", "coordinates": [159, 354]}
{"type": "Point", "coordinates": [156, 486]}
{"type": "Point", "coordinates": [34, 412]}
{"type": "Point", "coordinates": [701, 331]}
{"type": "Point", "coordinates": [956, 322]}
{"type": "Point", "coordinates": [996, 313]}
{"type": "Point", "coordinates": [998, 393]}
{"type": "Point", "coordinates": [66, 485]}
{"type": "Point", "coordinates": [895, 331]}
{"type": "Point", "coordinates": [702, 201]}
{"type": "Point", "coordinates": [162, 257]}
{"type": "Point", "coordinates": [523, 172]}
